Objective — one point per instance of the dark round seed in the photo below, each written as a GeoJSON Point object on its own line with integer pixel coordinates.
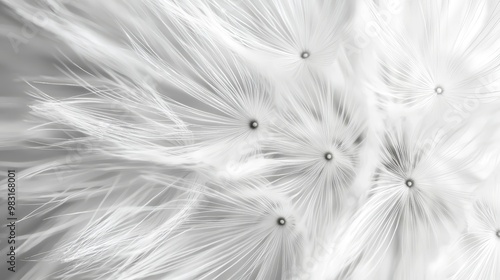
{"type": "Point", "coordinates": [254, 124]}
{"type": "Point", "coordinates": [328, 156]}
{"type": "Point", "coordinates": [409, 183]}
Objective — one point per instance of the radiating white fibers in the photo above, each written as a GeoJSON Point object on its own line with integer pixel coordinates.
{"type": "Point", "coordinates": [476, 254]}
{"type": "Point", "coordinates": [230, 230]}
{"type": "Point", "coordinates": [240, 231]}
{"type": "Point", "coordinates": [265, 139]}
{"type": "Point", "coordinates": [437, 55]}
{"type": "Point", "coordinates": [296, 36]}
{"type": "Point", "coordinates": [416, 202]}
{"type": "Point", "coordinates": [316, 149]}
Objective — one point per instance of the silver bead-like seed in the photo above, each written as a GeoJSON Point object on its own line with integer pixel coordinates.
{"type": "Point", "coordinates": [305, 55]}
{"type": "Point", "coordinates": [254, 124]}
{"type": "Point", "coordinates": [328, 156]}
{"type": "Point", "coordinates": [439, 90]}
{"type": "Point", "coordinates": [281, 221]}
{"type": "Point", "coordinates": [409, 183]}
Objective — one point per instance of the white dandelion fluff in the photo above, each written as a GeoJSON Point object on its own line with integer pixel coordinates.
{"type": "Point", "coordinates": [297, 36]}
{"type": "Point", "coordinates": [208, 139]}
{"type": "Point", "coordinates": [208, 105]}
{"type": "Point", "coordinates": [317, 145]}
{"type": "Point", "coordinates": [244, 234]}
{"type": "Point", "coordinates": [417, 198]}
{"type": "Point", "coordinates": [433, 59]}
{"type": "Point", "coordinates": [234, 229]}
{"type": "Point", "coordinates": [476, 254]}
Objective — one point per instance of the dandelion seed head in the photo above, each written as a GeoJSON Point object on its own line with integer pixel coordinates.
{"type": "Point", "coordinates": [288, 41]}
{"type": "Point", "coordinates": [316, 146]}
{"type": "Point", "coordinates": [240, 210]}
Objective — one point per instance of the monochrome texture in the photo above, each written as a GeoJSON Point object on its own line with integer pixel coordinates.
{"type": "Point", "coordinates": [266, 139]}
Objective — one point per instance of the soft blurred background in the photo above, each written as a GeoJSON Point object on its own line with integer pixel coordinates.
{"type": "Point", "coordinates": [25, 54]}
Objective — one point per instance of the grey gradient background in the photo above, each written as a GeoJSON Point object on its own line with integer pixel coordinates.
{"type": "Point", "coordinates": [33, 57]}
